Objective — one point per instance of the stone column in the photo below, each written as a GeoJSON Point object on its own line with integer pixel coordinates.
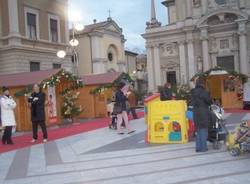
{"type": "Point", "coordinates": [191, 63]}
{"type": "Point", "coordinates": [205, 49]}
{"type": "Point", "coordinates": [13, 18]}
{"type": "Point", "coordinates": [157, 66]}
{"type": "Point", "coordinates": [204, 6]}
{"type": "Point", "coordinates": [150, 69]}
{"type": "Point", "coordinates": [244, 62]}
{"type": "Point", "coordinates": [189, 8]}
{"type": "Point", "coordinates": [183, 64]}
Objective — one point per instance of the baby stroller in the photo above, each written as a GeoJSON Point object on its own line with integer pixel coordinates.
{"type": "Point", "coordinates": [239, 141]}
{"type": "Point", "coordinates": [217, 131]}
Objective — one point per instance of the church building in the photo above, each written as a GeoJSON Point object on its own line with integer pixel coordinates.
{"type": "Point", "coordinates": [101, 48]}
{"type": "Point", "coordinates": [200, 35]}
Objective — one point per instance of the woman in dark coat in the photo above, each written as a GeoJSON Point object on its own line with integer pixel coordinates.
{"type": "Point", "coordinates": [120, 99]}
{"type": "Point", "coordinates": [37, 104]}
{"type": "Point", "coordinates": [200, 100]}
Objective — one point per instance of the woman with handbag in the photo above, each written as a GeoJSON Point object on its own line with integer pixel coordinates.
{"type": "Point", "coordinates": [120, 108]}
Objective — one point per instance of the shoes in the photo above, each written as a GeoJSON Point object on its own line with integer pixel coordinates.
{"type": "Point", "coordinates": [10, 142]}
{"type": "Point", "coordinates": [45, 140]}
{"type": "Point", "coordinates": [3, 141]}
{"type": "Point", "coordinates": [132, 131]}
{"type": "Point", "coordinates": [33, 140]}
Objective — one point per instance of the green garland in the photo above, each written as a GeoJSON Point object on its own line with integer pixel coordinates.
{"type": "Point", "coordinates": [74, 80]}
{"type": "Point", "coordinates": [124, 77]}
{"type": "Point", "coordinates": [243, 77]}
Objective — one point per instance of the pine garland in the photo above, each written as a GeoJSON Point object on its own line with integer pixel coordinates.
{"type": "Point", "coordinates": [74, 80]}
{"type": "Point", "coordinates": [243, 77]}
{"type": "Point", "coordinates": [124, 77]}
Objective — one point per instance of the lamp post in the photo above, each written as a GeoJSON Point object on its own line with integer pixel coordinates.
{"type": "Point", "coordinates": [76, 27]}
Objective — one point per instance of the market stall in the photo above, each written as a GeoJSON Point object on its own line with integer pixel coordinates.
{"type": "Point", "coordinates": [98, 88]}
{"type": "Point", "coordinates": [53, 82]}
{"type": "Point", "coordinates": [224, 86]}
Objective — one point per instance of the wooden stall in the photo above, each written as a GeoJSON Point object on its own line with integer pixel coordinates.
{"type": "Point", "coordinates": [21, 83]}
{"type": "Point", "coordinates": [94, 105]}
{"type": "Point", "coordinates": [225, 87]}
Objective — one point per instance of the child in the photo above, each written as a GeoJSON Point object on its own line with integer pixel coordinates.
{"type": "Point", "coordinates": [113, 118]}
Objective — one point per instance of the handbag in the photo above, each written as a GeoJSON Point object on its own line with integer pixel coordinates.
{"type": "Point", "coordinates": [117, 108]}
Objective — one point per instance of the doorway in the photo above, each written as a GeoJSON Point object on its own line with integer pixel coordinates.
{"type": "Point", "coordinates": [171, 78]}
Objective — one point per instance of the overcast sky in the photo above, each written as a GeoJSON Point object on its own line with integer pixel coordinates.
{"type": "Point", "coordinates": [131, 15]}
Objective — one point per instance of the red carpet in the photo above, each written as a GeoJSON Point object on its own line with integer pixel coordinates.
{"type": "Point", "coordinates": [58, 133]}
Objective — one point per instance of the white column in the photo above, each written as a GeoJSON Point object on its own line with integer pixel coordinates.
{"type": "Point", "coordinates": [157, 67]}
{"type": "Point", "coordinates": [205, 54]}
{"type": "Point", "coordinates": [150, 69]}
{"type": "Point", "coordinates": [204, 6]}
{"type": "Point", "coordinates": [244, 62]}
{"type": "Point", "coordinates": [183, 64]}
{"type": "Point", "coordinates": [191, 63]}
{"type": "Point", "coordinates": [189, 8]}
{"type": "Point", "coordinates": [13, 17]}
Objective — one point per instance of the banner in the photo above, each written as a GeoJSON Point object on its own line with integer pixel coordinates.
{"type": "Point", "coordinates": [52, 105]}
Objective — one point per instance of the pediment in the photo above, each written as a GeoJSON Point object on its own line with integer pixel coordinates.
{"type": "Point", "coordinates": [113, 27]}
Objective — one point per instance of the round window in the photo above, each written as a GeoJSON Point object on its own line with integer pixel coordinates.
{"type": "Point", "coordinates": [110, 56]}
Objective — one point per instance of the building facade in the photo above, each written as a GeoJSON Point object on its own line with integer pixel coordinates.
{"type": "Point", "coordinates": [31, 33]}
{"type": "Point", "coordinates": [200, 34]}
{"type": "Point", "coordinates": [101, 48]}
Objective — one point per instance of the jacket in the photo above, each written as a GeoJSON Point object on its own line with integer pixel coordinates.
{"type": "Point", "coordinates": [7, 111]}
{"type": "Point", "coordinates": [37, 101]}
{"type": "Point", "coordinates": [201, 100]}
{"type": "Point", "coordinates": [121, 99]}
{"type": "Point", "coordinates": [166, 94]}
{"type": "Point", "coordinates": [132, 99]}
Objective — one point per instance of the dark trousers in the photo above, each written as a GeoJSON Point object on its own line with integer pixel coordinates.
{"type": "Point", "coordinates": [7, 135]}
{"type": "Point", "coordinates": [133, 111]}
{"type": "Point", "coordinates": [201, 139]}
{"type": "Point", "coordinates": [35, 129]}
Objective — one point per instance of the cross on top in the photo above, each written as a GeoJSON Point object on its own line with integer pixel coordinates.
{"type": "Point", "coordinates": [109, 12]}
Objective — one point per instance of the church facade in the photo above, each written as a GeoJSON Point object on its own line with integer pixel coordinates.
{"type": "Point", "coordinates": [200, 35]}
{"type": "Point", "coordinates": [101, 48]}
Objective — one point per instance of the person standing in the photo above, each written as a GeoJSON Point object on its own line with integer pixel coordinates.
{"type": "Point", "coordinates": [120, 99]}
{"type": "Point", "coordinates": [7, 115]}
{"type": "Point", "coordinates": [166, 93]}
{"type": "Point", "coordinates": [201, 100]}
{"type": "Point", "coordinates": [37, 104]}
{"type": "Point", "coordinates": [132, 103]}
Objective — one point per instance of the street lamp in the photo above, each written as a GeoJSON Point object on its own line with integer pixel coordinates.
{"type": "Point", "coordinates": [76, 27]}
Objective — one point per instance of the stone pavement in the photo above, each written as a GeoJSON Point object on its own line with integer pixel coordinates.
{"type": "Point", "coordinates": [103, 157]}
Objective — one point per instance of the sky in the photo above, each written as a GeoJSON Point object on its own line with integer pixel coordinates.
{"type": "Point", "coordinates": [130, 15]}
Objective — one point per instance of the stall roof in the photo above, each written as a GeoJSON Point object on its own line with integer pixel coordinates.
{"type": "Point", "coordinates": [26, 78]}
{"type": "Point", "coordinates": [97, 79]}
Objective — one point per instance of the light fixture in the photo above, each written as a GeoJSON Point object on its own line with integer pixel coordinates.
{"type": "Point", "coordinates": [61, 54]}
{"type": "Point", "coordinates": [78, 26]}
{"type": "Point", "coordinates": [134, 72]}
{"type": "Point", "coordinates": [74, 42]}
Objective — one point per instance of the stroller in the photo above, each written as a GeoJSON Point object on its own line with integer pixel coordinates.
{"type": "Point", "coordinates": [217, 131]}
{"type": "Point", "coordinates": [239, 141]}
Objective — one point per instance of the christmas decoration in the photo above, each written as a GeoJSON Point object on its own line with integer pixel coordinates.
{"type": "Point", "coordinates": [124, 77]}
{"type": "Point", "coordinates": [75, 82]}
{"type": "Point", "coordinates": [232, 74]}
{"type": "Point", "coordinates": [69, 108]}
